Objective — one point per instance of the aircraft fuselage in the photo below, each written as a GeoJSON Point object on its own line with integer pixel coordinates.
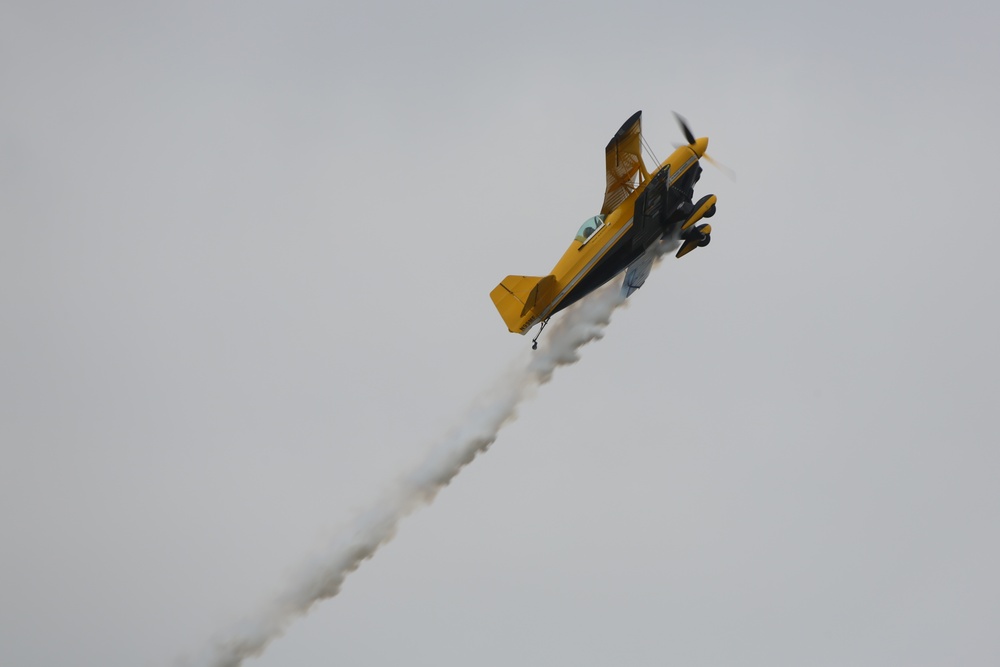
{"type": "Point", "coordinates": [585, 266]}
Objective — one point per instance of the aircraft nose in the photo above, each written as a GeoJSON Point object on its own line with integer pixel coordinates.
{"type": "Point", "coordinates": [700, 146]}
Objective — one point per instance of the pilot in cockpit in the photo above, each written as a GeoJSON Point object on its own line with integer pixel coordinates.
{"type": "Point", "coordinates": [589, 227]}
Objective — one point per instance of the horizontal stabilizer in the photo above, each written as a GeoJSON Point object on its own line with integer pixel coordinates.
{"type": "Point", "coordinates": [516, 298]}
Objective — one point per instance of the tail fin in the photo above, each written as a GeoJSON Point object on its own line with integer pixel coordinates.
{"type": "Point", "coordinates": [516, 297]}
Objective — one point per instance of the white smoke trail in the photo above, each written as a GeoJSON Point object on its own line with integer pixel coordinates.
{"type": "Point", "coordinates": [577, 326]}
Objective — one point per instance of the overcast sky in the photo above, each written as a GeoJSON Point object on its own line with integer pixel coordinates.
{"type": "Point", "coordinates": [245, 260]}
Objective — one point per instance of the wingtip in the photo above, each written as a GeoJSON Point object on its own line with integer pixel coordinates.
{"type": "Point", "coordinates": [624, 129]}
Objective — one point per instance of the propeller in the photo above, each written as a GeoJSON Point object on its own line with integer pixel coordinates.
{"type": "Point", "coordinates": [689, 135]}
{"type": "Point", "coordinates": [684, 128]}
{"type": "Point", "coordinates": [729, 173]}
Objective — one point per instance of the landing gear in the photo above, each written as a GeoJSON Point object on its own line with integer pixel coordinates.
{"type": "Point", "coordinates": [695, 237]}
{"type": "Point", "coordinates": [703, 208]}
{"type": "Point", "coordinates": [534, 341]}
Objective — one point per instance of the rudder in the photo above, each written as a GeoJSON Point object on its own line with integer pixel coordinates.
{"type": "Point", "coordinates": [516, 298]}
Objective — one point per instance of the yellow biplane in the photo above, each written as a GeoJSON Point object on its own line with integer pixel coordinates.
{"type": "Point", "coordinates": [642, 212]}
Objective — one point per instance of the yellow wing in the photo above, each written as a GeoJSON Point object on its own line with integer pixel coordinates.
{"type": "Point", "coordinates": [623, 157]}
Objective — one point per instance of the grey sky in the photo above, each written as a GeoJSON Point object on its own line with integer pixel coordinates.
{"type": "Point", "coordinates": [245, 258]}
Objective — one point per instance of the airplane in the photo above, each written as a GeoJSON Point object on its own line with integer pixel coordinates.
{"type": "Point", "coordinates": [643, 211]}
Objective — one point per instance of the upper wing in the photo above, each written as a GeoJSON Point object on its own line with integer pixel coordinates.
{"type": "Point", "coordinates": [623, 157]}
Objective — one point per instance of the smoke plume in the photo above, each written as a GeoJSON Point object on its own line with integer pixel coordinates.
{"type": "Point", "coordinates": [582, 323]}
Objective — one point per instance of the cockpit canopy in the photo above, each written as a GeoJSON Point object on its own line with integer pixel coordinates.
{"type": "Point", "coordinates": [589, 228]}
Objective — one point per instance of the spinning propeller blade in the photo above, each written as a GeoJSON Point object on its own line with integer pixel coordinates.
{"type": "Point", "coordinates": [684, 127]}
{"type": "Point", "coordinates": [729, 173]}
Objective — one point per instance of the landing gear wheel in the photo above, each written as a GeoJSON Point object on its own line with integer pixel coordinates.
{"type": "Point", "coordinates": [710, 212]}
{"type": "Point", "coordinates": [534, 342]}
{"type": "Point", "coordinates": [705, 241]}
